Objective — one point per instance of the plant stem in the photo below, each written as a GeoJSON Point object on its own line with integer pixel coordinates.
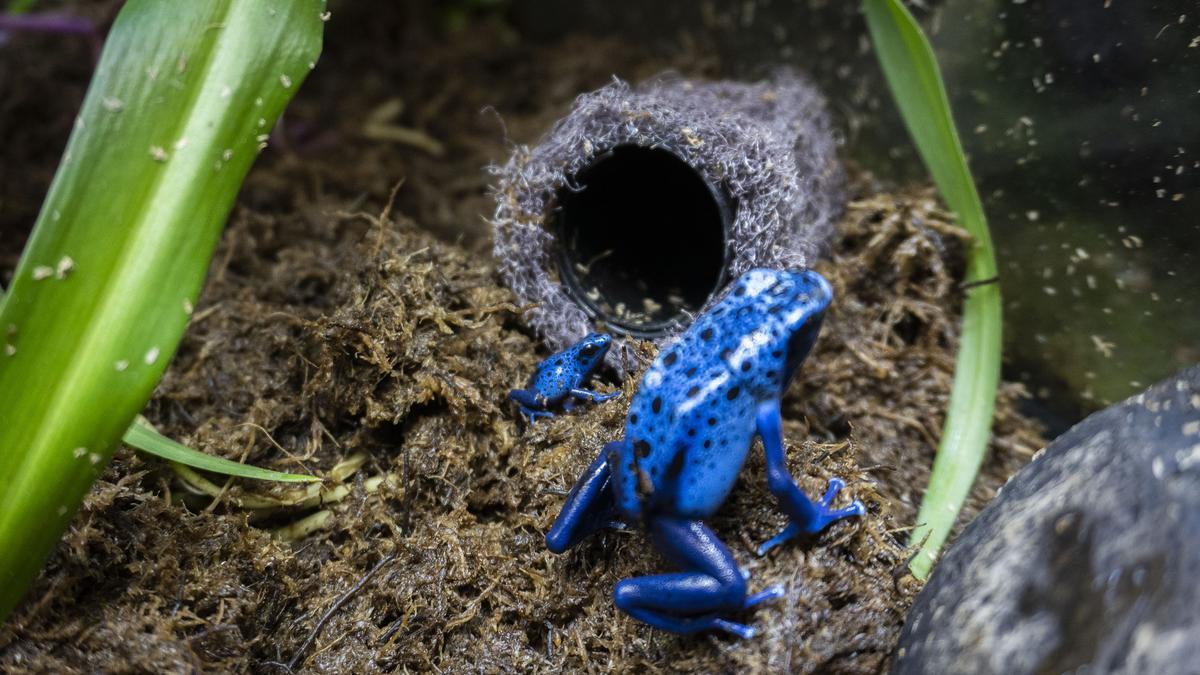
{"type": "Point", "coordinates": [916, 83]}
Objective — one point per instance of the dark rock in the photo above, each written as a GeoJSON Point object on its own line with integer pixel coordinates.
{"type": "Point", "coordinates": [1088, 558]}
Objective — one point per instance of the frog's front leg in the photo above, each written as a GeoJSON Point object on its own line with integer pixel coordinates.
{"type": "Point", "coordinates": [589, 506]}
{"type": "Point", "coordinates": [697, 599]}
{"type": "Point", "coordinates": [530, 403]}
{"type": "Point", "coordinates": [806, 517]}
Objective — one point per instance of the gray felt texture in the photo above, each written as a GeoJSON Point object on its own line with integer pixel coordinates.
{"type": "Point", "coordinates": [769, 144]}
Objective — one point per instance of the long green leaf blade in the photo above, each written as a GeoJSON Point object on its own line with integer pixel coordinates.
{"type": "Point", "coordinates": [150, 441]}
{"type": "Point", "coordinates": [181, 101]}
{"type": "Point", "coordinates": [916, 83]}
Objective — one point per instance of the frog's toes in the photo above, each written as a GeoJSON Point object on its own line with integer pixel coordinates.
{"type": "Point", "coordinates": [787, 534]}
{"type": "Point", "coordinates": [828, 513]}
{"type": "Point", "coordinates": [831, 492]}
{"type": "Point", "coordinates": [824, 516]}
{"type": "Point", "coordinates": [769, 593]}
{"type": "Point", "coordinates": [739, 629]}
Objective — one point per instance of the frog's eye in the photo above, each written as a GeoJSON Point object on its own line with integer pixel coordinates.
{"type": "Point", "coordinates": [589, 350]}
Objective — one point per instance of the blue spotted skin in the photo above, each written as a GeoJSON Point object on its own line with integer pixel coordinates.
{"type": "Point", "coordinates": [559, 379]}
{"type": "Point", "coordinates": [687, 434]}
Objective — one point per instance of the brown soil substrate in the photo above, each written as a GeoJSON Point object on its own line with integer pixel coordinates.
{"type": "Point", "coordinates": [333, 327]}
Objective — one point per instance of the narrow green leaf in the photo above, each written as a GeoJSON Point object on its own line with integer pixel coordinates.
{"type": "Point", "coordinates": [181, 102]}
{"type": "Point", "coordinates": [148, 440]}
{"type": "Point", "coordinates": [20, 6]}
{"type": "Point", "coordinates": [916, 83]}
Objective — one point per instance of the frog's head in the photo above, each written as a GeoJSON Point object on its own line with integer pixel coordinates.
{"type": "Point", "coordinates": [798, 298]}
{"type": "Point", "coordinates": [591, 350]}
{"type": "Point", "coordinates": [810, 298]}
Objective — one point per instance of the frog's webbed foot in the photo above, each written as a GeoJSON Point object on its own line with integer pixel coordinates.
{"type": "Point", "coordinates": [594, 396]}
{"type": "Point", "coordinates": [698, 598]}
{"type": "Point", "coordinates": [825, 515]}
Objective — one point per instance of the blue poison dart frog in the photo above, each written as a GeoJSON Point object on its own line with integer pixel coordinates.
{"type": "Point", "coordinates": [559, 379]}
{"type": "Point", "coordinates": [687, 435]}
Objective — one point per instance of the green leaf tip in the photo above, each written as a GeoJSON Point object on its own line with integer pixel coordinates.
{"type": "Point", "coordinates": [150, 441]}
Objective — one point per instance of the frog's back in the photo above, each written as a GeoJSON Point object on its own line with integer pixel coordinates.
{"type": "Point", "coordinates": [690, 427]}
{"type": "Point", "coordinates": [555, 376]}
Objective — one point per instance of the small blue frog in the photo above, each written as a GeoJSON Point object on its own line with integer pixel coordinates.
{"type": "Point", "coordinates": [560, 378]}
{"type": "Point", "coordinates": [687, 434]}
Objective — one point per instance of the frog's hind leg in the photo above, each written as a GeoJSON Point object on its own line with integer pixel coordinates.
{"type": "Point", "coordinates": [589, 506]}
{"type": "Point", "coordinates": [696, 599]}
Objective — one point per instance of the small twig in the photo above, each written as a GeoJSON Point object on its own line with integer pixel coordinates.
{"type": "Point", "coordinates": [179, 594]}
{"type": "Point", "coordinates": [968, 285]}
{"type": "Point", "coordinates": [386, 215]}
{"type": "Point", "coordinates": [876, 467]}
{"type": "Point", "coordinates": [271, 439]}
{"type": "Point", "coordinates": [337, 604]}
{"type": "Point", "coordinates": [911, 423]}
{"type": "Point", "coordinates": [917, 546]}
{"type": "Point", "coordinates": [395, 627]}
{"type": "Point", "coordinates": [472, 610]}
{"type": "Point", "coordinates": [379, 127]}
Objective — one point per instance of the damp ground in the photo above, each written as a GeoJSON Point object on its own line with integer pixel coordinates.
{"type": "Point", "coordinates": [353, 327]}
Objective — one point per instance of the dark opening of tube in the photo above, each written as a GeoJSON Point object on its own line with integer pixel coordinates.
{"type": "Point", "coordinates": [642, 239]}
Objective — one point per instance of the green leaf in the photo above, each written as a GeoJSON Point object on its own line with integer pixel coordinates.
{"type": "Point", "coordinates": [916, 83]}
{"type": "Point", "coordinates": [148, 440]}
{"type": "Point", "coordinates": [20, 6]}
{"type": "Point", "coordinates": [180, 104]}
